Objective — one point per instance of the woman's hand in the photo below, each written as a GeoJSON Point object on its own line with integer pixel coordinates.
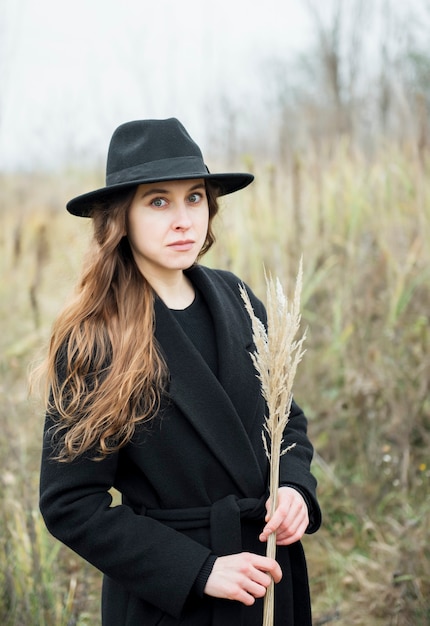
{"type": "Point", "coordinates": [290, 519]}
{"type": "Point", "coordinates": [242, 577]}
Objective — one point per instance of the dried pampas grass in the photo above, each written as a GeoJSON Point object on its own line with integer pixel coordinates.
{"type": "Point", "coordinates": [276, 357]}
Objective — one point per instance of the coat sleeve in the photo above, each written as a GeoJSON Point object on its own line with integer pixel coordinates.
{"type": "Point", "coordinates": [295, 466]}
{"type": "Point", "coordinates": [154, 562]}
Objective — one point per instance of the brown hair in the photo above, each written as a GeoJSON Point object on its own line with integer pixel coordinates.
{"type": "Point", "coordinates": [101, 382]}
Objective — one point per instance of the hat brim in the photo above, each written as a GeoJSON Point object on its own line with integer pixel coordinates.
{"type": "Point", "coordinates": [83, 205]}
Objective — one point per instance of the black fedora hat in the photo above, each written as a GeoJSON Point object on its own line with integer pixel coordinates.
{"type": "Point", "coordinates": [148, 151]}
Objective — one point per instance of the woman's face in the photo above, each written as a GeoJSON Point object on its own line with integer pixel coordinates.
{"type": "Point", "coordinates": [167, 223]}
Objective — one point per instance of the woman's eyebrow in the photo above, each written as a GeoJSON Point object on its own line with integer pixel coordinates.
{"type": "Point", "coordinates": [159, 190]}
{"type": "Point", "coordinates": [153, 190]}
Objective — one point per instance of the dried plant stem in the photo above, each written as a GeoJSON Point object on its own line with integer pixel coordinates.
{"type": "Point", "coordinates": [269, 598]}
{"type": "Point", "coordinates": [276, 357]}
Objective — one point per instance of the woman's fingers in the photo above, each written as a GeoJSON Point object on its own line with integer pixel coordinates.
{"type": "Point", "coordinates": [290, 519]}
{"type": "Point", "coordinates": [242, 577]}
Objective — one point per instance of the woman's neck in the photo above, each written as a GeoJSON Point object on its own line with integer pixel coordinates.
{"type": "Point", "coordinates": [177, 292]}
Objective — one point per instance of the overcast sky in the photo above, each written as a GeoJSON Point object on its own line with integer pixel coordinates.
{"type": "Point", "coordinates": [72, 71]}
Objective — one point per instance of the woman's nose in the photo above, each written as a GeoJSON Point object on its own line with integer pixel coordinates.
{"type": "Point", "coordinates": [182, 219]}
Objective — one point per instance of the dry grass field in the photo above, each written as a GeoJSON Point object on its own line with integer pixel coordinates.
{"type": "Point", "coordinates": [362, 226]}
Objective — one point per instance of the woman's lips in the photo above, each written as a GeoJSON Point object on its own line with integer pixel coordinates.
{"type": "Point", "coordinates": [182, 246]}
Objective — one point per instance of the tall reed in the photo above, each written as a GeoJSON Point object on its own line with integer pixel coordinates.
{"type": "Point", "coordinates": [276, 357]}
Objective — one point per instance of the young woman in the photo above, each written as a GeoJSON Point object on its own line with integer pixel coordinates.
{"type": "Point", "coordinates": [153, 392]}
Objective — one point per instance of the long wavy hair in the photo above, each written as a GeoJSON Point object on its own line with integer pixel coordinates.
{"type": "Point", "coordinates": [100, 382]}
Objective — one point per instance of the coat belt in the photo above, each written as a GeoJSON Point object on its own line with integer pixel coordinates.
{"type": "Point", "coordinates": [223, 518]}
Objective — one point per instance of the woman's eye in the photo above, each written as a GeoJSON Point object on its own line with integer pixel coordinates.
{"type": "Point", "coordinates": [195, 197]}
{"type": "Point", "coordinates": [158, 203]}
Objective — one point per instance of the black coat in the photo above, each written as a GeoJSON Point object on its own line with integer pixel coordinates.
{"type": "Point", "coordinates": [193, 483]}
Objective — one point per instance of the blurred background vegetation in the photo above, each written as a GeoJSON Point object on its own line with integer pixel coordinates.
{"type": "Point", "coordinates": [342, 165]}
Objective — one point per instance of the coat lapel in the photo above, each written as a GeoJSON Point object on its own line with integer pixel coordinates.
{"type": "Point", "coordinates": [234, 342]}
{"type": "Point", "coordinates": [220, 410]}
